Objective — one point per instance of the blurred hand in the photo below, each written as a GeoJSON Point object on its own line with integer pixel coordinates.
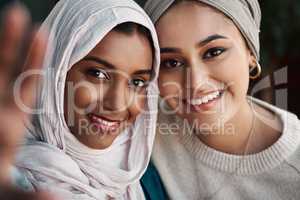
{"type": "Point", "coordinates": [14, 194]}
{"type": "Point", "coordinates": [15, 59]}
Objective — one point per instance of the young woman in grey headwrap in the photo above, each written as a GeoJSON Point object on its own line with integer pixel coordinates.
{"type": "Point", "coordinates": [213, 141]}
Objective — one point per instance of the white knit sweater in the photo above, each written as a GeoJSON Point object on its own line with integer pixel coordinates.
{"type": "Point", "coordinates": [190, 170]}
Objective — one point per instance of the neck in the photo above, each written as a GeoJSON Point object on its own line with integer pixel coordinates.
{"type": "Point", "coordinates": [233, 136]}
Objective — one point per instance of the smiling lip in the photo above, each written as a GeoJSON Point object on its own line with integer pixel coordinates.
{"type": "Point", "coordinates": [103, 123]}
{"type": "Point", "coordinates": [205, 102]}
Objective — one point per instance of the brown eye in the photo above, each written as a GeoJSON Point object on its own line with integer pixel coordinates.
{"type": "Point", "coordinates": [137, 83]}
{"type": "Point", "coordinates": [97, 73]}
{"type": "Point", "coordinates": [171, 63]}
{"type": "Point", "coordinates": [213, 52]}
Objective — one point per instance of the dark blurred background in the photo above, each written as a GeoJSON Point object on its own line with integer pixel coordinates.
{"type": "Point", "coordinates": [280, 49]}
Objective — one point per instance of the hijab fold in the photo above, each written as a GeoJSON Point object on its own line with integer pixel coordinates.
{"type": "Point", "coordinates": [52, 158]}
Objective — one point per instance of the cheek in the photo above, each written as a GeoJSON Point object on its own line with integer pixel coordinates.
{"type": "Point", "coordinates": [75, 104]}
{"type": "Point", "coordinates": [137, 106]}
{"type": "Point", "coordinates": [83, 97]}
{"type": "Point", "coordinates": [78, 99]}
{"type": "Point", "coordinates": [171, 84]}
{"type": "Point", "coordinates": [233, 74]}
{"type": "Point", "coordinates": [240, 80]}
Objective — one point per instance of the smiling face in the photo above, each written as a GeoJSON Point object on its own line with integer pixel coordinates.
{"type": "Point", "coordinates": [106, 90]}
{"type": "Point", "coordinates": [205, 61]}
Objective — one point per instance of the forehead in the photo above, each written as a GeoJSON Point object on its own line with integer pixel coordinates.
{"type": "Point", "coordinates": [191, 19]}
{"type": "Point", "coordinates": [127, 52]}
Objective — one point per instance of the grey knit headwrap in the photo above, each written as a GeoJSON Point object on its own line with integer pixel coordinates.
{"type": "Point", "coordinates": [246, 15]}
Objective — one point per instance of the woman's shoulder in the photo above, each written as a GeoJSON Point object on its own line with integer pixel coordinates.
{"type": "Point", "coordinates": [289, 140]}
{"type": "Point", "coordinates": [270, 106]}
{"type": "Point", "coordinates": [289, 120]}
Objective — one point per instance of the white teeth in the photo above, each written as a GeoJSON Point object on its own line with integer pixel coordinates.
{"type": "Point", "coordinates": [106, 123]}
{"type": "Point", "coordinates": [196, 101]}
{"type": "Point", "coordinates": [205, 99]}
{"type": "Point", "coordinates": [211, 97]}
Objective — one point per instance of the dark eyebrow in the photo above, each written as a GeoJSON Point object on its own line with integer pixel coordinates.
{"type": "Point", "coordinates": [99, 60]}
{"type": "Point", "coordinates": [210, 38]}
{"type": "Point", "coordinates": [141, 72]}
{"type": "Point", "coordinates": [103, 62]}
{"type": "Point", "coordinates": [169, 50]}
{"type": "Point", "coordinates": [201, 43]}
{"type": "Point", "coordinates": [148, 72]}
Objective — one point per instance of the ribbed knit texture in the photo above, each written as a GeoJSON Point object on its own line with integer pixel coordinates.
{"type": "Point", "coordinates": [192, 170]}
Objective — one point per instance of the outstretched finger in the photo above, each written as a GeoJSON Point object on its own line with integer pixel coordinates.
{"type": "Point", "coordinates": [14, 24]}
{"type": "Point", "coordinates": [27, 82]}
{"type": "Point", "coordinates": [15, 194]}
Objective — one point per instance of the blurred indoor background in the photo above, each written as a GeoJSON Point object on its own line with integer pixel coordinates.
{"type": "Point", "coordinates": [280, 49]}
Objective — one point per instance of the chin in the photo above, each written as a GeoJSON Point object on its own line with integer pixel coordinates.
{"type": "Point", "coordinates": [99, 142]}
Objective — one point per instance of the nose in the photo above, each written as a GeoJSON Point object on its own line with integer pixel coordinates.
{"type": "Point", "coordinates": [116, 98]}
{"type": "Point", "coordinates": [196, 78]}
